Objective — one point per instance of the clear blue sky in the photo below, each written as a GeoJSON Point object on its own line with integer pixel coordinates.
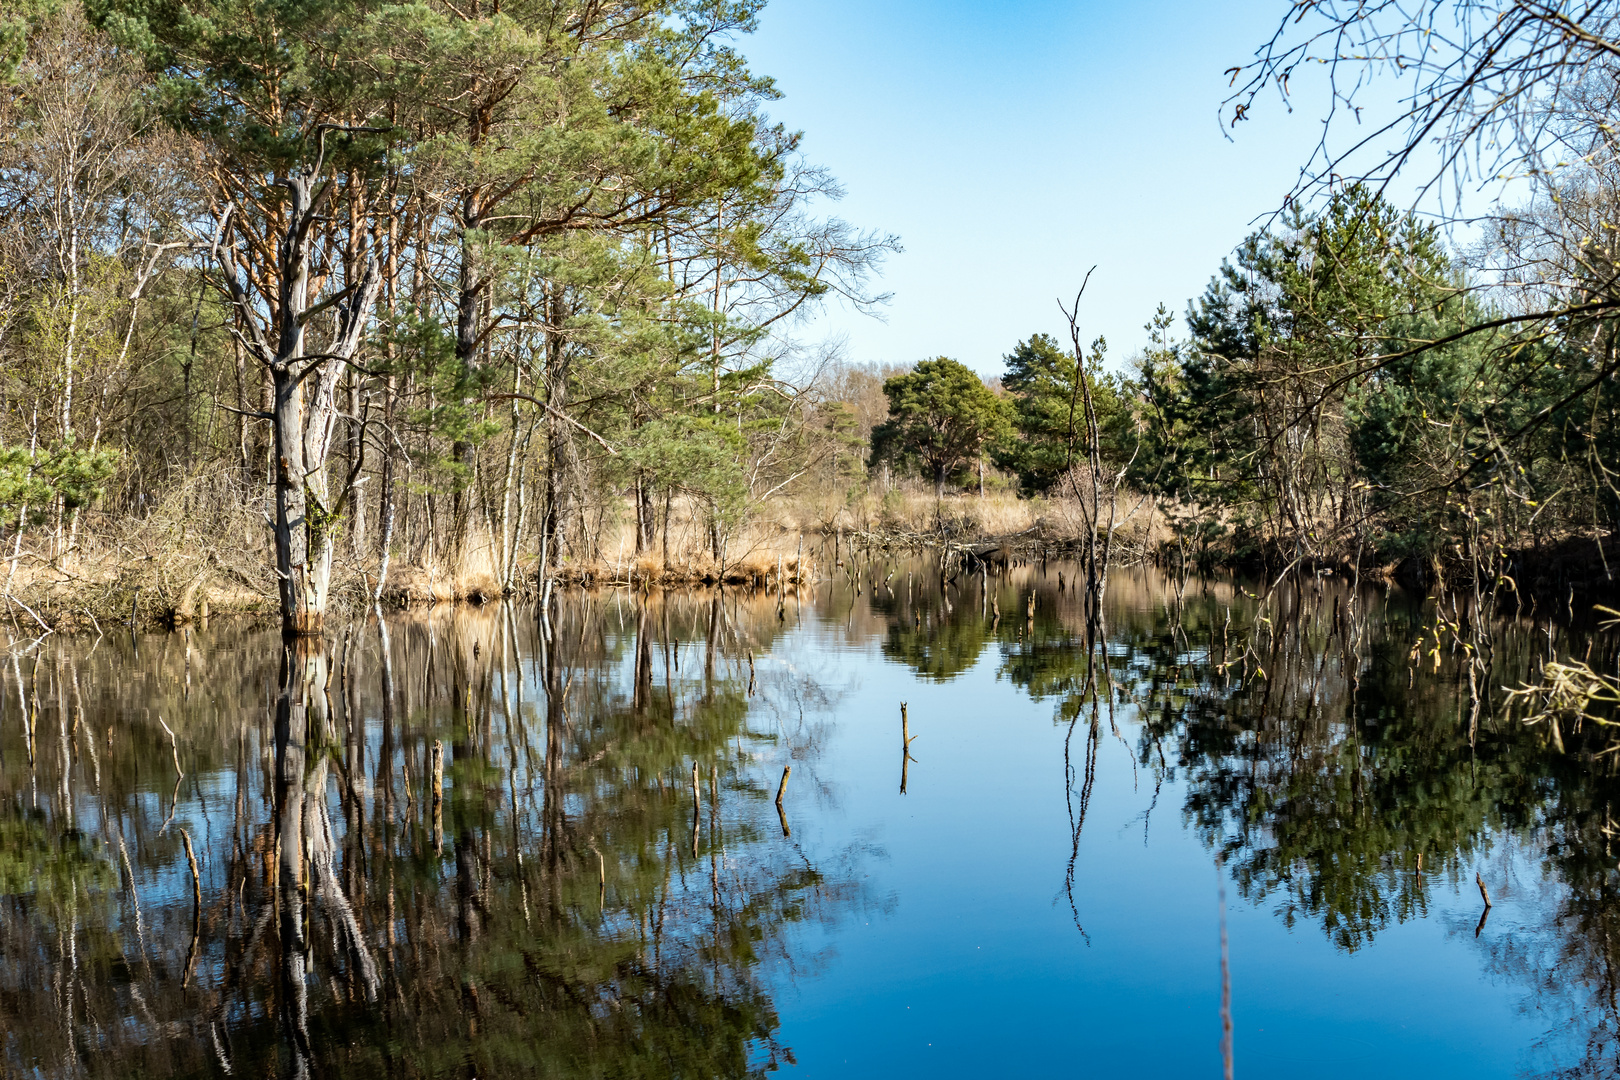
{"type": "Point", "coordinates": [1013, 145]}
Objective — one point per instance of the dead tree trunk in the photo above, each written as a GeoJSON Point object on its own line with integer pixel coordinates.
{"type": "Point", "coordinates": [1097, 559]}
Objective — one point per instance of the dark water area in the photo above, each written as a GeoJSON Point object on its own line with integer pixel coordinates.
{"type": "Point", "coordinates": [616, 880]}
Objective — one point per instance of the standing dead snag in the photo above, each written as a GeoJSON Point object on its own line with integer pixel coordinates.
{"type": "Point", "coordinates": [1080, 396]}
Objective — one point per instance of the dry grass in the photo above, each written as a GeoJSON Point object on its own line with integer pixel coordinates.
{"type": "Point", "coordinates": [205, 549]}
{"type": "Point", "coordinates": [904, 510]}
{"type": "Point", "coordinates": [777, 541]}
{"type": "Point", "coordinates": [914, 513]}
{"type": "Point", "coordinates": [201, 549]}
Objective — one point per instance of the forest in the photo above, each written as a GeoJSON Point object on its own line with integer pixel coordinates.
{"type": "Point", "coordinates": [316, 303]}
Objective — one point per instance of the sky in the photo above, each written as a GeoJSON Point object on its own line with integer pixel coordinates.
{"type": "Point", "coordinates": [1012, 146]}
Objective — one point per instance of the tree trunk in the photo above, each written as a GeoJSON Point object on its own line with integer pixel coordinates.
{"type": "Point", "coordinates": [669, 497]}
{"type": "Point", "coordinates": [354, 458]}
{"type": "Point", "coordinates": [471, 286]}
{"type": "Point", "coordinates": [302, 430]}
{"type": "Point", "coordinates": [385, 494]}
{"type": "Point", "coordinates": [556, 393]}
{"type": "Point", "coordinates": [303, 589]}
{"type": "Point", "coordinates": [642, 500]}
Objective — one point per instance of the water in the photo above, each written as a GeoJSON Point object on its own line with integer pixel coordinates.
{"type": "Point", "coordinates": [1037, 888]}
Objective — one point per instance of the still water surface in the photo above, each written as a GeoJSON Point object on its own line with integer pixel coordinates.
{"type": "Point", "coordinates": [1037, 888]}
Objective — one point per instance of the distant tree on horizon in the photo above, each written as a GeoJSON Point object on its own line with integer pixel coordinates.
{"type": "Point", "coordinates": [941, 417]}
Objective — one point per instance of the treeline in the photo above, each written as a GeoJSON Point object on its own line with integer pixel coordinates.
{"type": "Point", "coordinates": [306, 297]}
{"type": "Point", "coordinates": [1351, 390]}
{"type": "Point", "coordinates": [295, 290]}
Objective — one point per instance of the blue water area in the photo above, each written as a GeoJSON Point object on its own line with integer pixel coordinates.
{"type": "Point", "coordinates": [502, 842]}
{"type": "Point", "coordinates": [972, 962]}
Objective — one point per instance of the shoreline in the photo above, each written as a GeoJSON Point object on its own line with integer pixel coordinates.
{"type": "Point", "coordinates": [1564, 577]}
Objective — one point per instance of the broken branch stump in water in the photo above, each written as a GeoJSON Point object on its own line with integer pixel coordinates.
{"type": "Point", "coordinates": [781, 789]}
{"type": "Point", "coordinates": [905, 746]}
{"type": "Point", "coordinates": [1482, 893]}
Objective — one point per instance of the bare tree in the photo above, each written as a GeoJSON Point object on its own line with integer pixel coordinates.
{"type": "Point", "coordinates": [1104, 482]}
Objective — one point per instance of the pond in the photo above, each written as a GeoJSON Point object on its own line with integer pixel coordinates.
{"type": "Point", "coordinates": [895, 824]}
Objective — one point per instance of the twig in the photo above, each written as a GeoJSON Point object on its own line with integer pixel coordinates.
{"type": "Point", "coordinates": [31, 611]}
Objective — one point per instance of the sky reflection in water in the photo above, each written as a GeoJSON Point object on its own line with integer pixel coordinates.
{"type": "Point", "coordinates": [570, 909]}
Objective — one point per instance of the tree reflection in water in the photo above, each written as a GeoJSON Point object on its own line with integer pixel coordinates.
{"type": "Point", "coordinates": [567, 910]}
{"type": "Point", "coordinates": [1329, 752]}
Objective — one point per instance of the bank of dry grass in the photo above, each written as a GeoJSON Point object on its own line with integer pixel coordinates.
{"type": "Point", "coordinates": [205, 548]}
{"type": "Point", "coordinates": [912, 515]}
